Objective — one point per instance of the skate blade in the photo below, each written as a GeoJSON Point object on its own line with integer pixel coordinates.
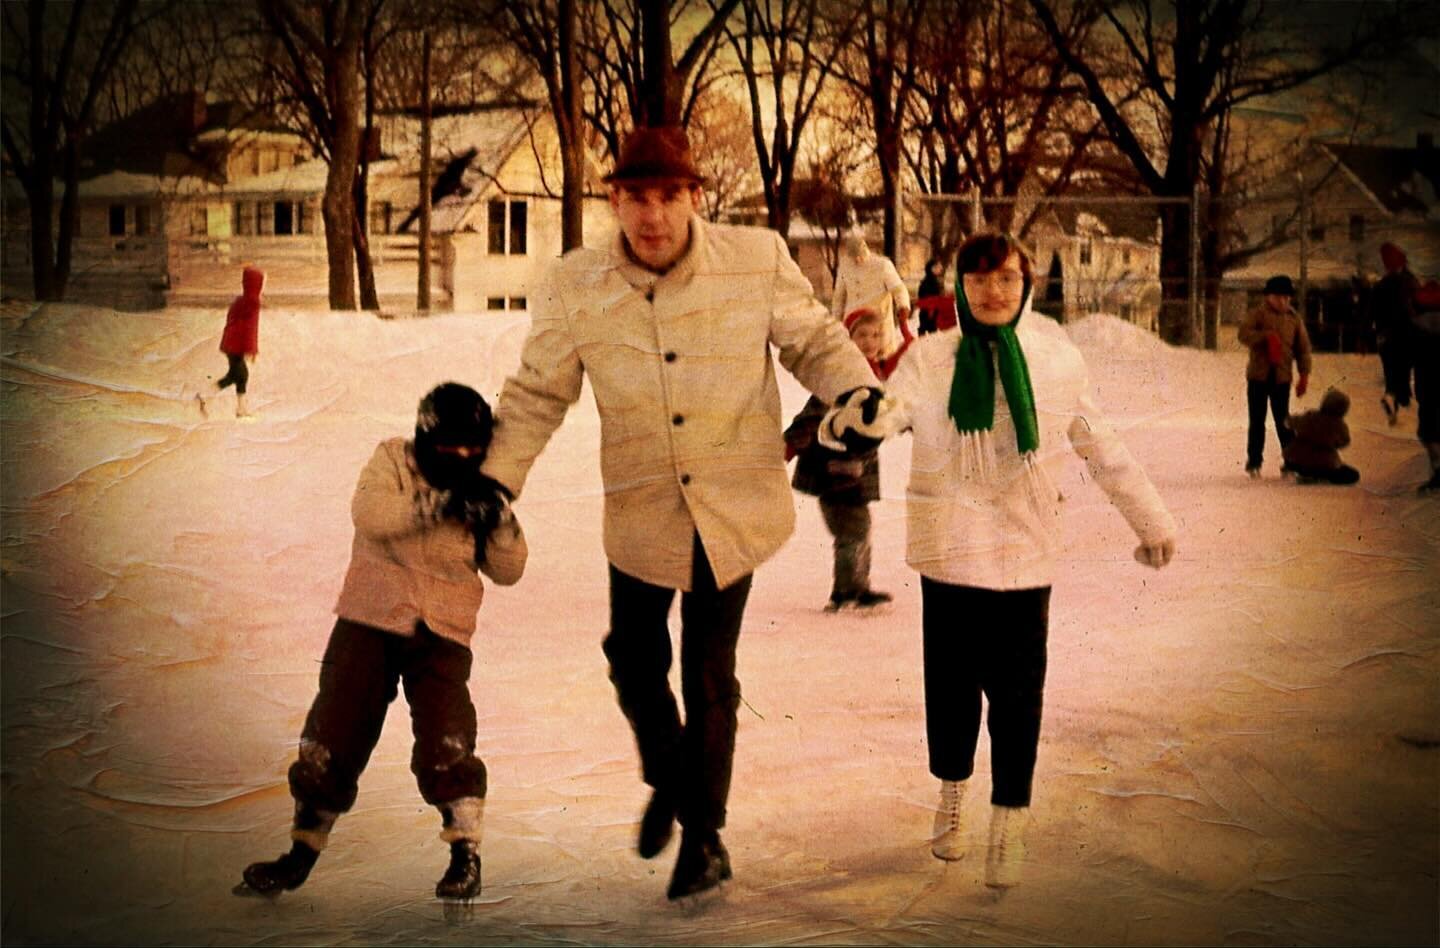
{"type": "Point", "coordinates": [244, 890]}
{"type": "Point", "coordinates": [704, 901]}
{"type": "Point", "coordinates": [457, 911]}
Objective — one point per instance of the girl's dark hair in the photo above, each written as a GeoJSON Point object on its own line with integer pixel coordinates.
{"type": "Point", "coordinates": [988, 251]}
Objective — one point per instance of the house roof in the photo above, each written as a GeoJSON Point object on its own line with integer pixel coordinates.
{"type": "Point", "coordinates": [172, 137]}
{"type": "Point", "coordinates": [1399, 179]}
{"type": "Point", "coordinates": [1133, 221]}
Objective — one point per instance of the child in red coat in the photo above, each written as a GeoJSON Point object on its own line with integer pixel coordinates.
{"type": "Point", "coordinates": [241, 339]}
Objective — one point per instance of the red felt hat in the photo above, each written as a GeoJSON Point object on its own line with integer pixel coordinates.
{"type": "Point", "coordinates": [661, 151]}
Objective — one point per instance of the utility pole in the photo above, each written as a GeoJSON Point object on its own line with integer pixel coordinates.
{"type": "Point", "coordinates": [422, 300]}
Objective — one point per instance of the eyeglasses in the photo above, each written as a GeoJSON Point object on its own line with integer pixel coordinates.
{"type": "Point", "coordinates": [997, 279]}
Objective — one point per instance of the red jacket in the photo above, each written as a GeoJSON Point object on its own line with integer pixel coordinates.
{"type": "Point", "coordinates": [242, 322]}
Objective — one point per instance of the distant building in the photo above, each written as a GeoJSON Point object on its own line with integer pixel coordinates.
{"type": "Point", "coordinates": [1356, 197]}
{"type": "Point", "coordinates": [181, 194]}
{"type": "Point", "coordinates": [1097, 257]}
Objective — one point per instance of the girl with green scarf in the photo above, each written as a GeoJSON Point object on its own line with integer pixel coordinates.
{"type": "Point", "coordinates": [983, 528]}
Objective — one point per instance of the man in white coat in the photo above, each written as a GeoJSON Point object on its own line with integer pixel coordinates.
{"type": "Point", "coordinates": [868, 280]}
{"type": "Point", "coordinates": [674, 322]}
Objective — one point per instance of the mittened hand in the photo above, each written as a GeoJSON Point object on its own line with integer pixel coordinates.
{"type": "Point", "coordinates": [1301, 386]}
{"type": "Point", "coordinates": [860, 420]}
{"type": "Point", "coordinates": [1156, 554]}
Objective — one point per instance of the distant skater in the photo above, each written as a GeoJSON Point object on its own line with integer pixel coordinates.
{"type": "Point", "coordinates": [241, 339]}
{"type": "Point", "coordinates": [1276, 337]}
{"type": "Point", "coordinates": [1313, 454]}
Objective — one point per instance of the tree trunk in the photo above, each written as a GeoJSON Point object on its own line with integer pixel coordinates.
{"type": "Point", "coordinates": [338, 205]}
{"type": "Point", "coordinates": [888, 153]}
{"type": "Point", "coordinates": [1176, 325]}
{"type": "Point", "coordinates": [422, 290]}
{"type": "Point", "coordinates": [69, 218]}
{"type": "Point", "coordinates": [364, 268]}
{"type": "Point", "coordinates": [572, 145]}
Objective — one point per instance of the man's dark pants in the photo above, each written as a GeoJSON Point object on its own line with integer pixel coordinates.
{"type": "Point", "coordinates": [693, 761]}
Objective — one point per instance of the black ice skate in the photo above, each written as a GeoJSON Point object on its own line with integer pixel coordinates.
{"type": "Point", "coordinates": [870, 598]}
{"type": "Point", "coordinates": [288, 872]}
{"type": "Point", "coordinates": [462, 878]}
{"type": "Point", "coordinates": [702, 865]}
{"type": "Point", "coordinates": [657, 825]}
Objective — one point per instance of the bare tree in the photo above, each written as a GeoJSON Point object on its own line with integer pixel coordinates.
{"type": "Point", "coordinates": [57, 62]}
{"type": "Point", "coordinates": [546, 32]}
{"type": "Point", "coordinates": [785, 50]}
{"type": "Point", "coordinates": [1197, 61]}
{"type": "Point", "coordinates": [880, 68]}
{"type": "Point", "coordinates": [319, 66]}
{"type": "Point", "coordinates": [621, 38]}
{"type": "Point", "coordinates": [719, 130]}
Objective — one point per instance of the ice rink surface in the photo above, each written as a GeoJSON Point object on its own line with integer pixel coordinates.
{"type": "Point", "coordinates": [1241, 749]}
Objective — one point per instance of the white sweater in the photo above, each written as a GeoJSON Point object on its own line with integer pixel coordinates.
{"type": "Point", "coordinates": [993, 534]}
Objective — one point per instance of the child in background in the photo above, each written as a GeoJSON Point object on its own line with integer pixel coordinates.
{"type": "Point", "coordinates": [845, 482]}
{"type": "Point", "coordinates": [407, 613]}
{"type": "Point", "coordinates": [1313, 454]}
{"type": "Point", "coordinates": [241, 339]}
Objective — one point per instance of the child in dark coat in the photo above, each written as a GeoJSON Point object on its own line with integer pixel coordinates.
{"type": "Point", "coordinates": [426, 524]}
{"type": "Point", "coordinates": [1313, 454]}
{"type": "Point", "coordinates": [846, 482]}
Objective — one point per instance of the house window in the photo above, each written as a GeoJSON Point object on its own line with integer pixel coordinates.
{"type": "Point", "coordinates": [245, 213]}
{"type": "Point", "coordinates": [518, 226]}
{"type": "Point", "coordinates": [518, 302]}
{"type": "Point", "coordinates": [117, 220]}
{"type": "Point", "coordinates": [1357, 228]}
{"type": "Point", "coordinates": [1087, 252]}
{"type": "Point", "coordinates": [1317, 233]}
{"type": "Point", "coordinates": [516, 215]}
{"type": "Point", "coordinates": [142, 219]}
{"type": "Point", "coordinates": [284, 217]}
{"type": "Point", "coordinates": [495, 302]}
{"type": "Point", "coordinates": [302, 218]}
{"type": "Point", "coordinates": [1125, 256]}
{"type": "Point", "coordinates": [199, 221]}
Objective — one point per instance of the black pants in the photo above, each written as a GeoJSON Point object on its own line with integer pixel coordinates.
{"type": "Point", "coordinates": [849, 524]}
{"type": "Point", "coordinates": [238, 375]}
{"type": "Point", "coordinates": [693, 760]}
{"type": "Point", "coordinates": [1258, 394]}
{"type": "Point", "coordinates": [358, 679]}
{"type": "Point", "coordinates": [990, 642]}
{"type": "Point", "coordinates": [1395, 360]}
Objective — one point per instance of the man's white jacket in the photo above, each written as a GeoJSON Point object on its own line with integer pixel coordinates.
{"type": "Point", "coordinates": [680, 367]}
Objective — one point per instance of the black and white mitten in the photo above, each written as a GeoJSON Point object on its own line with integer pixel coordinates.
{"type": "Point", "coordinates": [860, 420]}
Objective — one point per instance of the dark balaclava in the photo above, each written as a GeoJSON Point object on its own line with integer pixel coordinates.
{"type": "Point", "coordinates": [451, 414]}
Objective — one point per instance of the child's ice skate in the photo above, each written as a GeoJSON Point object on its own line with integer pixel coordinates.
{"type": "Point", "coordinates": [462, 876]}
{"type": "Point", "coordinates": [1005, 858]}
{"type": "Point", "coordinates": [946, 840]}
{"type": "Point", "coordinates": [288, 872]}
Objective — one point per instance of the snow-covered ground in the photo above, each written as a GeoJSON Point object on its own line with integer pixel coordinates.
{"type": "Point", "coordinates": [1241, 749]}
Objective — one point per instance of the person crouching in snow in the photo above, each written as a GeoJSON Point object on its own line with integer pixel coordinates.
{"type": "Point", "coordinates": [241, 339]}
{"type": "Point", "coordinates": [984, 525]}
{"type": "Point", "coordinates": [846, 482]}
{"type": "Point", "coordinates": [1313, 454]}
{"type": "Point", "coordinates": [407, 613]}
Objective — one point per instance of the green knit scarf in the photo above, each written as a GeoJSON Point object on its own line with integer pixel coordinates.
{"type": "Point", "coordinates": [972, 387]}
